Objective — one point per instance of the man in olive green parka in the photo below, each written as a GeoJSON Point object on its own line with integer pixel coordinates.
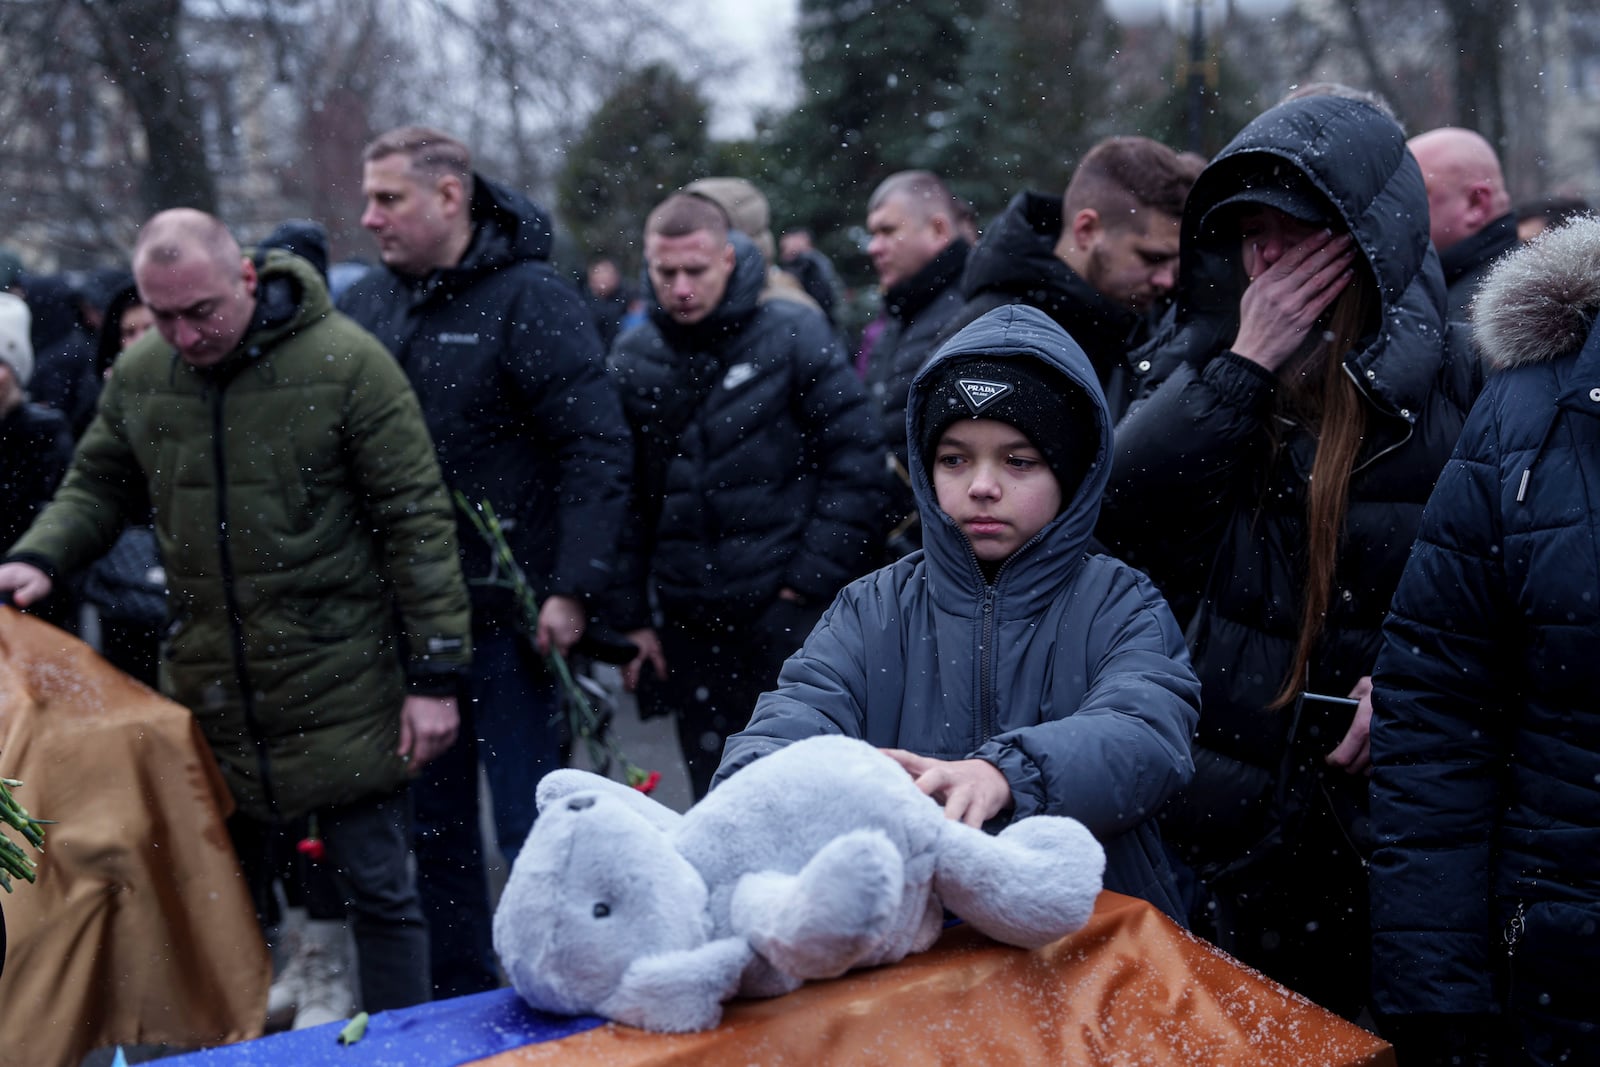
{"type": "Point", "coordinates": [317, 616]}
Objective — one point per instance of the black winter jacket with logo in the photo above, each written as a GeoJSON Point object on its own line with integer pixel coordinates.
{"type": "Point", "coordinates": [508, 367]}
{"type": "Point", "coordinates": [1202, 499]}
{"type": "Point", "coordinates": [761, 462]}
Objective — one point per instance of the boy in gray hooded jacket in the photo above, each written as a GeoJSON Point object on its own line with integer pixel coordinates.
{"type": "Point", "coordinates": [1011, 670]}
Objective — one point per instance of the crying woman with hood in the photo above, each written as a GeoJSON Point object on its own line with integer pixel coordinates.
{"type": "Point", "coordinates": [1302, 401]}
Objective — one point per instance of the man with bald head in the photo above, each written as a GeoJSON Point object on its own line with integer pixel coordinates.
{"type": "Point", "coordinates": [318, 621]}
{"type": "Point", "coordinates": [1469, 211]}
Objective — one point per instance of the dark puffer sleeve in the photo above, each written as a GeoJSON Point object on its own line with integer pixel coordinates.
{"type": "Point", "coordinates": [560, 367]}
{"type": "Point", "coordinates": [1177, 459]}
{"type": "Point", "coordinates": [1122, 752]}
{"type": "Point", "coordinates": [1439, 745]}
{"type": "Point", "coordinates": [102, 492]}
{"type": "Point", "coordinates": [840, 421]}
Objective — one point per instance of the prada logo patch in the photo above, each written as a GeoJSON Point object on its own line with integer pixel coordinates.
{"type": "Point", "coordinates": [980, 394]}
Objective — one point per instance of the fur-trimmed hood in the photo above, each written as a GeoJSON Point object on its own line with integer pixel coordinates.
{"type": "Point", "coordinates": [1541, 300]}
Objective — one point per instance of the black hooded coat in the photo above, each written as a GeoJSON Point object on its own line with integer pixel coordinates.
{"type": "Point", "coordinates": [760, 458]}
{"type": "Point", "coordinates": [1016, 263]}
{"type": "Point", "coordinates": [1210, 476]}
{"type": "Point", "coordinates": [510, 373]}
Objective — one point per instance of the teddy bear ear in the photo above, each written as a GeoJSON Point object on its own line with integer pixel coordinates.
{"type": "Point", "coordinates": [560, 784]}
{"type": "Point", "coordinates": [676, 992]}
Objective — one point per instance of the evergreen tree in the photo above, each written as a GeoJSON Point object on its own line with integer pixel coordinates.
{"type": "Point", "coordinates": [1033, 99]}
{"type": "Point", "coordinates": [880, 78]}
{"type": "Point", "coordinates": [646, 139]}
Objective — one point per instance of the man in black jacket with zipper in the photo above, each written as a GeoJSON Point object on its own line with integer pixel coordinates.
{"type": "Point", "coordinates": [506, 361]}
{"type": "Point", "coordinates": [758, 490]}
{"type": "Point", "coordinates": [918, 253]}
{"type": "Point", "coordinates": [1097, 259]}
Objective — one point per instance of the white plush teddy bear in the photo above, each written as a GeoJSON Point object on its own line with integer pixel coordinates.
{"type": "Point", "coordinates": [816, 859]}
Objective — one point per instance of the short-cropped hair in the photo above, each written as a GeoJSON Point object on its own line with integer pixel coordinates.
{"type": "Point", "coordinates": [1121, 176]}
{"type": "Point", "coordinates": [923, 191]}
{"type": "Point", "coordinates": [681, 214]}
{"type": "Point", "coordinates": [432, 153]}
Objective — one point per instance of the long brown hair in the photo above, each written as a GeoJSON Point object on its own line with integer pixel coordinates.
{"type": "Point", "coordinates": [1338, 416]}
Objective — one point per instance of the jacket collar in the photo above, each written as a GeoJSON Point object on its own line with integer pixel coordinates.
{"type": "Point", "coordinates": [1017, 258]}
{"type": "Point", "coordinates": [907, 299]}
{"type": "Point", "coordinates": [1472, 252]}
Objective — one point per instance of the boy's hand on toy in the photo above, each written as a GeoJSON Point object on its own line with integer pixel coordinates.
{"type": "Point", "coordinates": [972, 791]}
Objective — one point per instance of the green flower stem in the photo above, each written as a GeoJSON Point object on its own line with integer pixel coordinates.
{"type": "Point", "coordinates": [582, 719]}
{"type": "Point", "coordinates": [14, 862]}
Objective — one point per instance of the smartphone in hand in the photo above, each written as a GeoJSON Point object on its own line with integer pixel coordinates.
{"type": "Point", "coordinates": [1323, 720]}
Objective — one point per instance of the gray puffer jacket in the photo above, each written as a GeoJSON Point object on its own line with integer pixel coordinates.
{"type": "Point", "coordinates": [1067, 671]}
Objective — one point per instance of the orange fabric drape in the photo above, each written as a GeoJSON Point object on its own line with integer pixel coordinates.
{"type": "Point", "coordinates": [1128, 989]}
{"type": "Point", "coordinates": [139, 928]}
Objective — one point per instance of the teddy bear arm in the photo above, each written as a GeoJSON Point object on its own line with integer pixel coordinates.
{"type": "Point", "coordinates": [831, 915]}
{"type": "Point", "coordinates": [1034, 883]}
{"type": "Point", "coordinates": [678, 992]}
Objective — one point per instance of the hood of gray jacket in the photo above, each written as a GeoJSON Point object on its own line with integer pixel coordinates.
{"type": "Point", "coordinates": [1039, 568]}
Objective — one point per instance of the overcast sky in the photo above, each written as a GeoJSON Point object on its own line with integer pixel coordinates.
{"type": "Point", "coordinates": [760, 34]}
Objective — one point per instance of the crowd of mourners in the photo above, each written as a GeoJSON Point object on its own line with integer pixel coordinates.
{"type": "Point", "coordinates": [1245, 509]}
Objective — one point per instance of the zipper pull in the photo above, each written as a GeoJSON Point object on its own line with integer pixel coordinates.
{"type": "Point", "coordinates": [1513, 931]}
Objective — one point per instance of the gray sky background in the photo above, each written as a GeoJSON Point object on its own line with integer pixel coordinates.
{"type": "Point", "coordinates": [760, 35]}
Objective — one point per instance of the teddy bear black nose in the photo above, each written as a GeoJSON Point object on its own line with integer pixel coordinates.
{"type": "Point", "coordinates": [580, 803]}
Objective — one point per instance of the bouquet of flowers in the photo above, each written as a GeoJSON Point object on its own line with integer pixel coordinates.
{"type": "Point", "coordinates": [14, 861]}
{"type": "Point", "coordinates": [583, 720]}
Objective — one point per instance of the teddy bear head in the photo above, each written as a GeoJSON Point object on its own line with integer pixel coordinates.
{"type": "Point", "coordinates": [602, 915]}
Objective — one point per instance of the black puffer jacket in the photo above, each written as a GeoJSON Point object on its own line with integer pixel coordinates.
{"type": "Point", "coordinates": [918, 309]}
{"type": "Point", "coordinates": [1468, 262]}
{"type": "Point", "coordinates": [1016, 263]}
{"type": "Point", "coordinates": [510, 372]}
{"type": "Point", "coordinates": [761, 463]}
{"type": "Point", "coordinates": [1486, 730]}
{"type": "Point", "coordinates": [1201, 498]}
{"type": "Point", "coordinates": [35, 449]}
